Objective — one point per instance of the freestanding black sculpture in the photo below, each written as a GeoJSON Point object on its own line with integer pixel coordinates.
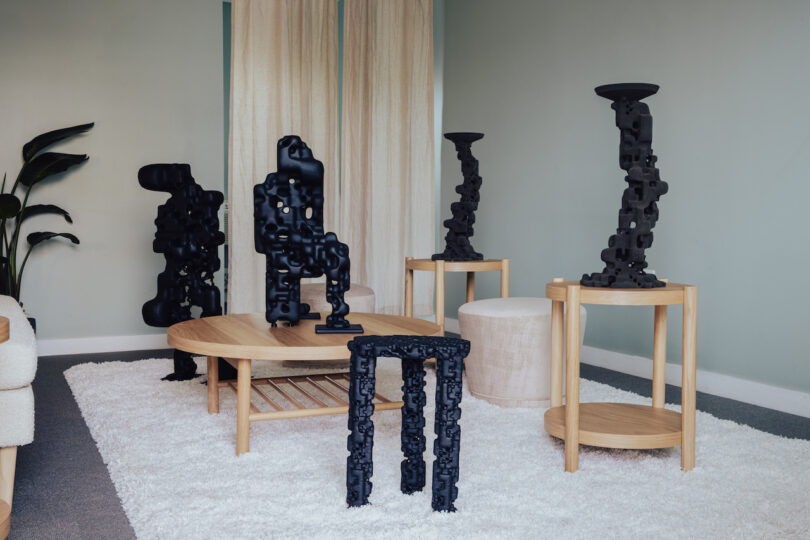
{"type": "Point", "coordinates": [460, 226]}
{"type": "Point", "coordinates": [624, 256]}
{"type": "Point", "coordinates": [188, 236]}
{"type": "Point", "coordinates": [288, 229]}
{"type": "Point", "coordinates": [413, 350]}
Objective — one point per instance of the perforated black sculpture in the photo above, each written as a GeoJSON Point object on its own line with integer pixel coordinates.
{"type": "Point", "coordinates": [624, 256]}
{"type": "Point", "coordinates": [288, 229]}
{"type": "Point", "coordinates": [188, 236]}
{"type": "Point", "coordinates": [413, 350]}
{"type": "Point", "coordinates": [460, 226]}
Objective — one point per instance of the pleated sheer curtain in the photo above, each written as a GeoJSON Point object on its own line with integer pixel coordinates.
{"type": "Point", "coordinates": [379, 175]}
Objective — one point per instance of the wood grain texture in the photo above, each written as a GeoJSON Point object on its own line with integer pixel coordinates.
{"type": "Point", "coordinates": [688, 381]}
{"type": "Point", "coordinates": [572, 300]}
{"type": "Point", "coordinates": [213, 385]}
{"type": "Point", "coordinates": [251, 336]}
{"type": "Point", "coordinates": [8, 464]}
{"type": "Point", "coordinates": [659, 356]}
{"type": "Point", "coordinates": [243, 407]}
{"type": "Point", "coordinates": [661, 296]}
{"type": "Point", "coordinates": [5, 520]}
{"type": "Point", "coordinates": [619, 425]}
{"type": "Point", "coordinates": [4, 325]}
{"type": "Point", "coordinates": [557, 352]}
{"type": "Point", "coordinates": [428, 265]}
{"type": "Point", "coordinates": [504, 278]}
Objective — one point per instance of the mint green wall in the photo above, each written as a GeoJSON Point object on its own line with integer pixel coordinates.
{"type": "Point", "coordinates": [732, 132]}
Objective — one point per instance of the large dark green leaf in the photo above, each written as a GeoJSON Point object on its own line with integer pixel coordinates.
{"type": "Point", "coordinates": [44, 165]}
{"type": "Point", "coordinates": [40, 142]}
{"type": "Point", "coordinates": [9, 206]}
{"type": "Point", "coordinates": [37, 209]}
{"type": "Point", "coordinates": [36, 237]}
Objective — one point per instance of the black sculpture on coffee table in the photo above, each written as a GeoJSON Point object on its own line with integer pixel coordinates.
{"type": "Point", "coordinates": [288, 229]}
{"type": "Point", "coordinates": [188, 236]}
{"type": "Point", "coordinates": [413, 350]}
{"type": "Point", "coordinates": [460, 226]}
{"type": "Point", "coordinates": [624, 256]}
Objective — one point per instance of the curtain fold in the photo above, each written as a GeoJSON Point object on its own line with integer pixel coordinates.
{"type": "Point", "coordinates": [284, 81]}
{"type": "Point", "coordinates": [387, 168]}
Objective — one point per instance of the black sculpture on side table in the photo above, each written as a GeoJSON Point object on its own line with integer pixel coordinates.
{"type": "Point", "coordinates": [288, 229]}
{"type": "Point", "coordinates": [624, 256]}
{"type": "Point", "coordinates": [413, 350]}
{"type": "Point", "coordinates": [188, 236]}
{"type": "Point", "coordinates": [460, 226]}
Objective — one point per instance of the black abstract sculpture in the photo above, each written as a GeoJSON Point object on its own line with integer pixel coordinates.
{"type": "Point", "coordinates": [624, 257]}
{"type": "Point", "coordinates": [188, 236]}
{"type": "Point", "coordinates": [460, 226]}
{"type": "Point", "coordinates": [412, 350]}
{"type": "Point", "coordinates": [288, 229]}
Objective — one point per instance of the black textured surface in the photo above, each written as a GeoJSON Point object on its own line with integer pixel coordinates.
{"type": "Point", "coordinates": [288, 230]}
{"type": "Point", "coordinates": [413, 351]}
{"type": "Point", "coordinates": [624, 257]}
{"type": "Point", "coordinates": [460, 226]}
{"type": "Point", "coordinates": [188, 236]}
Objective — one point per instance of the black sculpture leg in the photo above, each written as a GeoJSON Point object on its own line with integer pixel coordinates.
{"type": "Point", "coordinates": [448, 432]}
{"type": "Point", "coordinates": [359, 465]}
{"type": "Point", "coordinates": [184, 367]}
{"type": "Point", "coordinates": [413, 426]}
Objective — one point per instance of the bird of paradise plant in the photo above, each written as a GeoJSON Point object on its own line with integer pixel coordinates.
{"type": "Point", "coordinates": [37, 166]}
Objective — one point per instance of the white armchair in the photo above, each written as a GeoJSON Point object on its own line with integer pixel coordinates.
{"type": "Point", "coordinates": [18, 365]}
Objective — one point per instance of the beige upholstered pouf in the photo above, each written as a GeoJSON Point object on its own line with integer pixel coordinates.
{"type": "Point", "coordinates": [360, 300]}
{"type": "Point", "coordinates": [510, 352]}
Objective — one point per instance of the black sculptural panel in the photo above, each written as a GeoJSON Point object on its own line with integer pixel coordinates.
{"type": "Point", "coordinates": [188, 236]}
{"type": "Point", "coordinates": [288, 230]}
{"type": "Point", "coordinates": [460, 226]}
{"type": "Point", "coordinates": [624, 257]}
{"type": "Point", "coordinates": [413, 351]}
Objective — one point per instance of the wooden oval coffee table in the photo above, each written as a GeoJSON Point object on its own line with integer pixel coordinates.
{"type": "Point", "coordinates": [242, 338]}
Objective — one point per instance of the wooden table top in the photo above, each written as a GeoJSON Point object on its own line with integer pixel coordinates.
{"type": "Point", "coordinates": [671, 294]}
{"type": "Point", "coordinates": [485, 265]}
{"type": "Point", "coordinates": [249, 335]}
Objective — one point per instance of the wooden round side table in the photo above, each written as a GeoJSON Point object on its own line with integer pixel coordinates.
{"type": "Point", "coordinates": [621, 425]}
{"type": "Point", "coordinates": [440, 267]}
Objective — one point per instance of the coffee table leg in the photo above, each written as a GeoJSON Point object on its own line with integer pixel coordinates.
{"type": "Point", "coordinates": [572, 380]}
{"type": "Point", "coordinates": [360, 465]}
{"type": "Point", "coordinates": [448, 432]}
{"type": "Point", "coordinates": [688, 378]}
{"type": "Point", "coordinates": [439, 268]}
{"type": "Point", "coordinates": [505, 278]}
{"type": "Point", "coordinates": [243, 407]}
{"type": "Point", "coordinates": [213, 385]}
{"type": "Point", "coordinates": [557, 348]}
{"type": "Point", "coordinates": [413, 426]}
{"type": "Point", "coordinates": [659, 357]}
{"type": "Point", "coordinates": [408, 288]}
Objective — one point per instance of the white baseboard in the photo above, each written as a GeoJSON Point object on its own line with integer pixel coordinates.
{"type": "Point", "coordinates": [53, 347]}
{"type": "Point", "coordinates": [717, 384]}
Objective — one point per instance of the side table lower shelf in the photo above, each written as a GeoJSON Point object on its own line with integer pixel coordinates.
{"type": "Point", "coordinates": [619, 425]}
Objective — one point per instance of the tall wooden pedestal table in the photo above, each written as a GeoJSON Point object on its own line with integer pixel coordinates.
{"type": "Point", "coordinates": [621, 425]}
{"type": "Point", "coordinates": [244, 338]}
{"type": "Point", "coordinates": [439, 268]}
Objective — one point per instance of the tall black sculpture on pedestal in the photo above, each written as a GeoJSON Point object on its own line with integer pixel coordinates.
{"type": "Point", "coordinates": [624, 256]}
{"type": "Point", "coordinates": [188, 236]}
{"type": "Point", "coordinates": [460, 226]}
{"type": "Point", "coordinates": [288, 229]}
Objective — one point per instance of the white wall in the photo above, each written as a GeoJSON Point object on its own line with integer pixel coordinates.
{"type": "Point", "coordinates": [732, 132]}
{"type": "Point", "coordinates": [149, 73]}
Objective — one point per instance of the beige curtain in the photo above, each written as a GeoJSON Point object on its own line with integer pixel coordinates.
{"type": "Point", "coordinates": [387, 186]}
{"type": "Point", "coordinates": [284, 81]}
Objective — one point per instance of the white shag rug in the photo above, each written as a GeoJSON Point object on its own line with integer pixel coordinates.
{"type": "Point", "coordinates": [175, 470]}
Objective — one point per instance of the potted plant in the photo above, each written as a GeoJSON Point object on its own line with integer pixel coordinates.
{"type": "Point", "coordinates": [37, 166]}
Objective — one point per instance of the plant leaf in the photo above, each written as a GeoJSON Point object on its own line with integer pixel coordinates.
{"type": "Point", "coordinates": [9, 206]}
{"type": "Point", "coordinates": [36, 237]}
{"type": "Point", "coordinates": [37, 209]}
{"type": "Point", "coordinates": [40, 142]}
{"type": "Point", "coordinates": [44, 165]}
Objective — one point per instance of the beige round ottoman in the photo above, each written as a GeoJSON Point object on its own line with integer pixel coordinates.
{"type": "Point", "coordinates": [510, 350]}
{"type": "Point", "coordinates": [360, 300]}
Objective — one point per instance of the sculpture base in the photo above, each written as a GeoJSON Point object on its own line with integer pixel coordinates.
{"type": "Point", "coordinates": [621, 281]}
{"type": "Point", "coordinates": [458, 258]}
{"type": "Point", "coordinates": [351, 329]}
{"type": "Point", "coordinates": [315, 315]}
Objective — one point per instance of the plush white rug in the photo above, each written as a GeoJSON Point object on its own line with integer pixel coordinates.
{"type": "Point", "coordinates": [175, 471]}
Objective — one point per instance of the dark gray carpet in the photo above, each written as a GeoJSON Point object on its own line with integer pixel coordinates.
{"type": "Point", "coordinates": [63, 489]}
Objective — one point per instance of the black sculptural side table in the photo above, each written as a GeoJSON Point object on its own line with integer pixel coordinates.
{"type": "Point", "coordinates": [413, 351]}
